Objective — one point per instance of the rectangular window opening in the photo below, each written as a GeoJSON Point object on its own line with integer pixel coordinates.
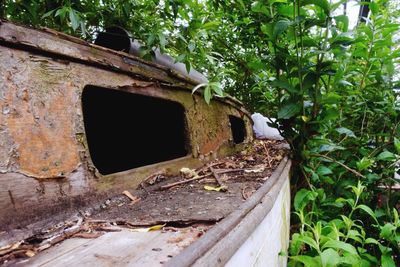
{"type": "Point", "coordinates": [238, 129]}
{"type": "Point", "coordinates": [126, 130]}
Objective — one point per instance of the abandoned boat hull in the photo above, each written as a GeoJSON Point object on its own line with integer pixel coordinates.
{"type": "Point", "coordinates": [67, 110]}
{"type": "Point", "coordinates": [57, 90]}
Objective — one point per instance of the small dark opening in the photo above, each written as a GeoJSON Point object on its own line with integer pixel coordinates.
{"type": "Point", "coordinates": [115, 38]}
{"type": "Point", "coordinates": [238, 129]}
{"type": "Point", "coordinates": [126, 130]}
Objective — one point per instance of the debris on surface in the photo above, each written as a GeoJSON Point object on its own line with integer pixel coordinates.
{"type": "Point", "coordinates": [187, 201]}
{"type": "Point", "coordinates": [188, 173]}
{"type": "Point", "coordinates": [133, 198]}
{"type": "Point", "coordinates": [218, 189]}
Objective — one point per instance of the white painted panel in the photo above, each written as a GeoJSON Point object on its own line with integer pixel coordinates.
{"type": "Point", "coordinates": [269, 238]}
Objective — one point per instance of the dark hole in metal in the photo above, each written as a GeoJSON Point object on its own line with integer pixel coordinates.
{"type": "Point", "coordinates": [115, 38]}
{"type": "Point", "coordinates": [238, 129]}
{"type": "Point", "coordinates": [126, 130]}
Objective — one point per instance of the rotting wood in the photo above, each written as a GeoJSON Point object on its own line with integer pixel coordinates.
{"type": "Point", "coordinates": [189, 256]}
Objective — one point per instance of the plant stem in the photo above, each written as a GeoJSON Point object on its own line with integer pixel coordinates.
{"type": "Point", "coordinates": [341, 164]}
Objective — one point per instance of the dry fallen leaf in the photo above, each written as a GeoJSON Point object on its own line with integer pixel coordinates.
{"type": "Point", "coordinates": [148, 229]}
{"type": "Point", "coordinates": [188, 173]}
{"type": "Point", "coordinates": [218, 189]}
{"type": "Point", "coordinates": [255, 170]}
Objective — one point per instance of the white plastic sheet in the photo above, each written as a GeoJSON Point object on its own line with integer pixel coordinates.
{"type": "Point", "coordinates": [262, 130]}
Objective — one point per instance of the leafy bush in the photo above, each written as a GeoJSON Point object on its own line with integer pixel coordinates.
{"type": "Point", "coordinates": [332, 89]}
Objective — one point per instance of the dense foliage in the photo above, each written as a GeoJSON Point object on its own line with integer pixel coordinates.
{"type": "Point", "coordinates": [332, 89]}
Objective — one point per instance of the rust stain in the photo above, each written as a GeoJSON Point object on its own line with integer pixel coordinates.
{"type": "Point", "coordinates": [43, 131]}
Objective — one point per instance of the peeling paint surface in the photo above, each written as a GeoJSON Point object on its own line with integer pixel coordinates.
{"type": "Point", "coordinates": [43, 148]}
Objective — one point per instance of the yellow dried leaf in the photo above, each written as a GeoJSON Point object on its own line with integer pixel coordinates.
{"type": "Point", "coordinates": [305, 118]}
{"type": "Point", "coordinates": [211, 188]}
{"type": "Point", "coordinates": [148, 229]}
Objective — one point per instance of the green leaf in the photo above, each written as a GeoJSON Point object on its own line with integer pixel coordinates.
{"type": "Point", "coordinates": [61, 12]}
{"type": "Point", "coordinates": [295, 244]}
{"type": "Point", "coordinates": [289, 110]}
{"type": "Point", "coordinates": [259, 7]}
{"type": "Point", "coordinates": [364, 163]}
{"type": "Point", "coordinates": [321, 3]}
{"type": "Point", "coordinates": [386, 156]}
{"type": "Point", "coordinates": [216, 87]}
{"type": "Point", "coordinates": [345, 83]}
{"type": "Point", "coordinates": [285, 85]}
{"type": "Point", "coordinates": [343, 22]}
{"type": "Point", "coordinates": [374, 8]}
{"type": "Point", "coordinates": [161, 37]}
{"type": "Point", "coordinates": [336, 244]}
{"type": "Point", "coordinates": [191, 46]}
{"type": "Point", "coordinates": [397, 145]}
{"type": "Point", "coordinates": [387, 261]}
{"type": "Point", "coordinates": [347, 132]}
{"type": "Point", "coordinates": [387, 231]}
{"type": "Point", "coordinates": [306, 260]}
{"type": "Point", "coordinates": [309, 241]}
{"type": "Point", "coordinates": [207, 94]}
{"type": "Point", "coordinates": [329, 148]}
{"type": "Point", "coordinates": [47, 14]}
{"type": "Point", "coordinates": [74, 19]}
{"type": "Point", "coordinates": [322, 170]}
{"type": "Point", "coordinates": [367, 210]}
{"type": "Point", "coordinates": [280, 27]}
{"type": "Point", "coordinates": [267, 29]}
{"type": "Point", "coordinates": [331, 98]}
{"type": "Point", "coordinates": [211, 25]}
{"type": "Point", "coordinates": [371, 241]}
{"type": "Point", "coordinates": [303, 196]}
{"type": "Point", "coordinates": [285, 10]}
{"type": "Point", "coordinates": [330, 258]}
{"type": "Point", "coordinates": [277, 1]}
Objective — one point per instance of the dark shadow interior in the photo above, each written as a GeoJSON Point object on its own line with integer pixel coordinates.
{"type": "Point", "coordinates": [126, 130]}
{"type": "Point", "coordinates": [238, 129]}
{"type": "Point", "coordinates": [114, 38]}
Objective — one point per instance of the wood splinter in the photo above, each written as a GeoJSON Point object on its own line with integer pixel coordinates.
{"type": "Point", "coordinates": [218, 179]}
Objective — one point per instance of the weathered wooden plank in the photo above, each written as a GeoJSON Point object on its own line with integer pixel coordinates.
{"type": "Point", "coordinates": [125, 248]}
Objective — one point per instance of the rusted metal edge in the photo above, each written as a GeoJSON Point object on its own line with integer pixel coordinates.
{"type": "Point", "coordinates": [219, 232]}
